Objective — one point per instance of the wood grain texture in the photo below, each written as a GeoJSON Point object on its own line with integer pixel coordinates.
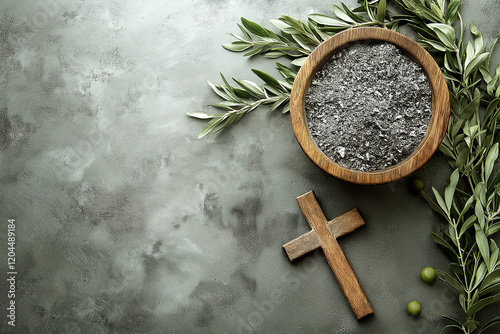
{"type": "Point", "coordinates": [437, 125]}
{"type": "Point", "coordinates": [335, 256]}
{"type": "Point", "coordinates": [339, 226]}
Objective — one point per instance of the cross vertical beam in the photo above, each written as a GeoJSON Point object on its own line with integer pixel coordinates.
{"type": "Point", "coordinates": [335, 256]}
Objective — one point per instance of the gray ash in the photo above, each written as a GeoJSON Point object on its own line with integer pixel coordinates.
{"type": "Point", "coordinates": [369, 106]}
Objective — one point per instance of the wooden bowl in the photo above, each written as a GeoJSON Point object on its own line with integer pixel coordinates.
{"type": "Point", "coordinates": [440, 106]}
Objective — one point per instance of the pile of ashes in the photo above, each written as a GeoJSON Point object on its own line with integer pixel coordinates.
{"type": "Point", "coordinates": [368, 107]}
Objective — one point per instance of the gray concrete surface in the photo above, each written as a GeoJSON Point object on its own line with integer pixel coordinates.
{"type": "Point", "coordinates": [126, 223]}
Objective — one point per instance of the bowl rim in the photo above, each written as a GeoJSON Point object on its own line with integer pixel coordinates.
{"type": "Point", "coordinates": [440, 105]}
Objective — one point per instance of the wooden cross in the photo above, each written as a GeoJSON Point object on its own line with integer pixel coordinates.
{"type": "Point", "coordinates": [324, 234]}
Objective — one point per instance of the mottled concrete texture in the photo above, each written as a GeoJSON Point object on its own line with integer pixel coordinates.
{"type": "Point", "coordinates": [126, 223]}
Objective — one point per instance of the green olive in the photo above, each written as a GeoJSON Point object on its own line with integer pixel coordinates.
{"type": "Point", "coordinates": [428, 274]}
{"type": "Point", "coordinates": [413, 308]}
{"type": "Point", "coordinates": [417, 185]}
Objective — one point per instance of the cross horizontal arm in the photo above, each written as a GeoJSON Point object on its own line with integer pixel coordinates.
{"type": "Point", "coordinates": [309, 241]}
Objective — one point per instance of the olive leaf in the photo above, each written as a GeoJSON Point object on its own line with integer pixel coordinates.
{"type": "Point", "coordinates": [201, 115]}
{"type": "Point", "coordinates": [255, 28]}
{"type": "Point", "coordinates": [482, 244]}
{"type": "Point", "coordinates": [491, 158]}
{"type": "Point", "coordinates": [492, 279]}
{"type": "Point", "coordinates": [237, 46]}
{"type": "Point", "coordinates": [490, 323]}
{"type": "Point", "coordinates": [474, 64]}
{"type": "Point", "coordinates": [328, 20]}
{"type": "Point", "coordinates": [480, 275]}
{"type": "Point", "coordinates": [492, 229]}
{"type": "Point", "coordinates": [450, 189]}
{"type": "Point", "coordinates": [467, 224]}
{"type": "Point", "coordinates": [478, 38]}
{"type": "Point", "coordinates": [442, 203]}
{"type": "Point", "coordinates": [476, 307]}
{"type": "Point", "coordinates": [299, 61]}
{"type": "Point", "coordinates": [452, 282]}
{"type": "Point", "coordinates": [381, 8]}
{"type": "Point", "coordinates": [445, 34]}
{"type": "Point", "coordinates": [346, 16]}
{"type": "Point", "coordinates": [451, 13]}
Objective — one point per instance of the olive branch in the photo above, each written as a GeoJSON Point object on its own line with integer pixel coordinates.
{"type": "Point", "coordinates": [295, 41]}
{"type": "Point", "coordinates": [470, 203]}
